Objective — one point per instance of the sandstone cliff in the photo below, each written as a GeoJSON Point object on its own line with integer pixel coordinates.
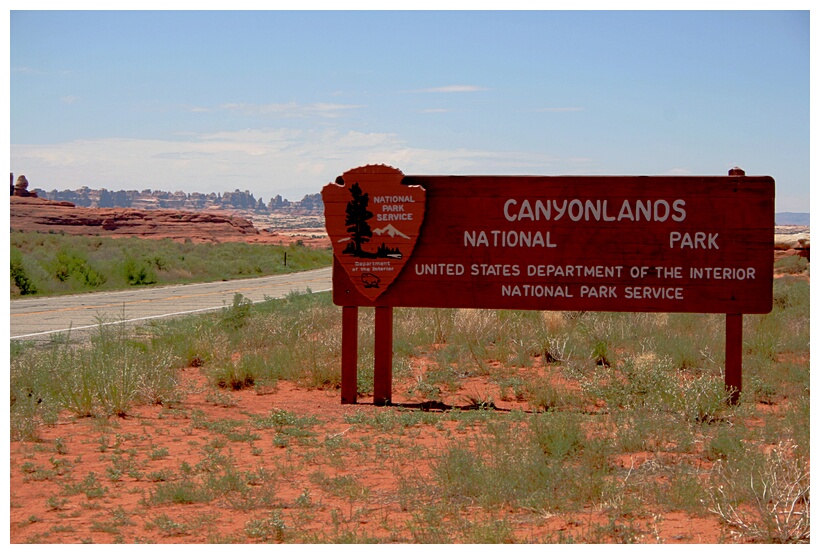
{"type": "Point", "coordinates": [37, 214]}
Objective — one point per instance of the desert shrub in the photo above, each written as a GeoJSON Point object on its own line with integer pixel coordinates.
{"type": "Point", "coordinates": [105, 377]}
{"type": "Point", "coordinates": [786, 327]}
{"type": "Point", "coordinates": [634, 430]}
{"type": "Point", "coordinates": [643, 381]}
{"type": "Point", "coordinates": [691, 341]}
{"type": "Point", "coordinates": [702, 399]}
{"type": "Point", "coordinates": [792, 265]}
{"type": "Point", "coordinates": [232, 376]}
{"type": "Point", "coordinates": [796, 425]}
{"type": "Point", "coordinates": [790, 293]}
{"type": "Point", "coordinates": [544, 471]}
{"type": "Point", "coordinates": [185, 491]}
{"type": "Point", "coordinates": [760, 388]}
{"type": "Point", "coordinates": [69, 264]}
{"type": "Point", "coordinates": [683, 491]}
{"type": "Point", "coordinates": [559, 435]}
{"type": "Point", "coordinates": [32, 401]}
{"type": "Point", "coordinates": [138, 272]}
{"type": "Point", "coordinates": [235, 317]}
{"type": "Point", "coordinates": [281, 419]}
{"type": "Point", "coordinates": [271, 528]}
{"type": "Point", "coordinates": [461, 473]}
{"type": "Point", "coordinates": [542, 395]}
{"type": "Point", "coordinates": [193, 341]}
{"type": "Point", "coordinates": [19, 274]}
{"type": "Point", "coordinates": [726, 444]}
{"type": "Point", "coordinates": [415, 328]}
{"type": "Point", "coordinates": [296, 338]}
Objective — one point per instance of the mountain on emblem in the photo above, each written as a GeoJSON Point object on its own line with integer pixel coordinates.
{"type": "Point", "coordinates": [391, 232]}
{"type": "Point", "coordinates": [373, 222]}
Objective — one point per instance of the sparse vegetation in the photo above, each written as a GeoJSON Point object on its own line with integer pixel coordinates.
{"type": "Point", "coordinates": [513, 427]}
{"type": "Point", "coordinates": [45, 264]}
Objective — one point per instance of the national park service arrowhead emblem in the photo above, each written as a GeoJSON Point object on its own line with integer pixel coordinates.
{"type": "Point", "coordinates": [373, 222]}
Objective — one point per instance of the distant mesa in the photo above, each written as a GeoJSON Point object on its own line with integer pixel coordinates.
{"type": "Point", "coordinates": [179, 216]}
{"type": "Point", "coordinates": [147, 199]}
{"type": "Point", "coordinates": [792, 218]}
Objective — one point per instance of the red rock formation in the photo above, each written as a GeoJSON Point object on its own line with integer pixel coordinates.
{"type": "Point", "coordinates": [20, 188]}
{"type": "Point", "coordinates": [35, 214]}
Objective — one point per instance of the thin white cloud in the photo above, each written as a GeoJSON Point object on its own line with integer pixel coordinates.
{"type": "Point", "coordinates": [292, 109]}
{"type": "Point", "coordinates": [69, 99]}
{"type": "Point", "coordinates": [560, 110]}
{"type": "Point", "coordinates": [27, 70]}
{"type": "Point", "coordinates": [436, 110]}
{"type": "Point", "coordinates": [452, 88]}
{"type": "Point", "coordinates": [679, 171]}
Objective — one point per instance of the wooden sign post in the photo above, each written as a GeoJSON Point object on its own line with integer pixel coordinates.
{"type": "Point", "coordinates": [621, 244]}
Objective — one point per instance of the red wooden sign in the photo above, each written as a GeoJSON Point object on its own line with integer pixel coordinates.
{"type": "Point", "coordinates": [635, 244]}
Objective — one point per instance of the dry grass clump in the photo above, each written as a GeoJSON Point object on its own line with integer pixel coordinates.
{"type": "Point", "coordinates": [766, 499]}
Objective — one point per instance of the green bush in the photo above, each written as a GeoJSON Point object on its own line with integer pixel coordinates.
{"type": "Point", "coordinates": [19, 276]}
{"type": "Point", "coordinates": [70, 265]}
{"type": "Point", "coordinates": [138, 273]}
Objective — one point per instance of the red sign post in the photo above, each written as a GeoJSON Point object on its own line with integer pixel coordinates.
{"type": "Point", "coordinates": [626, 244]}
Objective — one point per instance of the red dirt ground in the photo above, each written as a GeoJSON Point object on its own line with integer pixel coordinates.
{"type": "Point", "coordinates": [42, 510]}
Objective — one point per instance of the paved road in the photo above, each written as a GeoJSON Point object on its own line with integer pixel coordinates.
{"type": "Point", "coordinates": [39, 318]}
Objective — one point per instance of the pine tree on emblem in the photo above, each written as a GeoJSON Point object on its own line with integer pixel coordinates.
{"type": "Point", "coordinates": [356, 221]}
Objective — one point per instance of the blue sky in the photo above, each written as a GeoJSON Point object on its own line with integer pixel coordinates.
{"type": "Point", "coordinates": [281, 102]}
